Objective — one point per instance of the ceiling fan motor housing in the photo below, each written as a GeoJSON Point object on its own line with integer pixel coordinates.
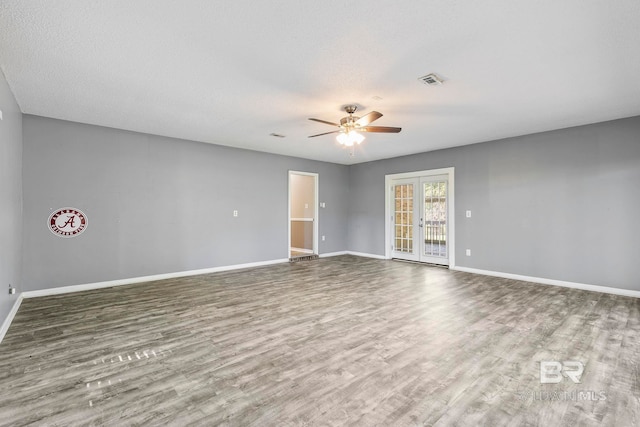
{"type": "Point", "coordinates": [348, 122]}
{"type": "Point", "coordinates": [350, 109]}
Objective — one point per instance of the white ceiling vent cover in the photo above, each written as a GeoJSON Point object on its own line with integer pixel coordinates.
{"type": "Point", "coordinates": [431, 80]}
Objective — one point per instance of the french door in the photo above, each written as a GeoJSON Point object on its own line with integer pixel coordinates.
{"type": "Point", "coordinates": [419, 217]}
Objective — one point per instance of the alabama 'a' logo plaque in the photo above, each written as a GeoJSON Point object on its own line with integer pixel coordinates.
{"type": "Point", "coordinates": [67, 222]}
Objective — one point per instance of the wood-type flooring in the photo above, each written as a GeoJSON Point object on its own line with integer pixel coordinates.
{"type": "Point", "coordinates": [342, 341]}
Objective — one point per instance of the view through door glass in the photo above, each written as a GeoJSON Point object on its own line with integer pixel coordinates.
{"type": "Point", "coordinates": [435, 220]}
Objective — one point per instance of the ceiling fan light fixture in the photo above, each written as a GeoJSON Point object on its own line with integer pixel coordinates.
{"type": "Point", "coordinates": [350, 138]}
{"type": "Point", "coordinates": [347, 135]}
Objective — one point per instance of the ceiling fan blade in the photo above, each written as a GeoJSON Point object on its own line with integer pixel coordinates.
{"type": "Point", "coordinates": [381, 129]}
{"type": "Point", "coordinates": [326, 133]}
{"type": "Point", "coordinates": [325, 122]}
{"type": "Point", "coordinates": [368, 118]}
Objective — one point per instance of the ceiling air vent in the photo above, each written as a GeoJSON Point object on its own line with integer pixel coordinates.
{"type": "Point", "coordinates": [431, 80]}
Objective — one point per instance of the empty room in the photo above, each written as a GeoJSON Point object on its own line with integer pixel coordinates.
{"type": "Point", "coordinates": [337, 213]}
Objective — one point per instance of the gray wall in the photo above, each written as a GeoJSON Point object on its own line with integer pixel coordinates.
{"type": "Point", "coordinates": [158, 205]}
{"type": "Point", "coordinates": [561, 205]}
{"type": "Point", "coordinates": [10, 198]}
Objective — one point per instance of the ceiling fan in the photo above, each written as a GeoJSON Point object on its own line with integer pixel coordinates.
{"type": "Point", "coordinates": [351, 125]}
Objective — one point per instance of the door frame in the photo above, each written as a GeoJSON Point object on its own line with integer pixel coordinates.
{"type": "Point", "coordinates": [316, 179]}
{"type": "Point", "coordinates": [388, 180]}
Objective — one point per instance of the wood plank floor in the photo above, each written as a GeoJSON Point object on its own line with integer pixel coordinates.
{"type": "Point", "coordinates": [333, 342]}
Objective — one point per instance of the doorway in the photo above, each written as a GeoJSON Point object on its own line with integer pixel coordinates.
{"type": "Point", "coordinates": [303, 214]}
{"type": "Point", "coordinates": [420, 216]}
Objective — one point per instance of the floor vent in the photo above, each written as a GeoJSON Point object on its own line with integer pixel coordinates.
{"type": "Point", "coordinates": [303, 258]}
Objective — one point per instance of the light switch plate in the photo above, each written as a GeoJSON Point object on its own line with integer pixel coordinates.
{"type": "Point", "coordinates": [468, 214]}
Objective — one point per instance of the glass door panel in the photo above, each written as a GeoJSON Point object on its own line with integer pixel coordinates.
{"type": "Point", "coordinates": [404, 216]}
{"type": "Point", "coordinates": [434, 214]}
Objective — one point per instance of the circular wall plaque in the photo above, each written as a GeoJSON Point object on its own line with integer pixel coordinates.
{"type": "Point", "coordinates": [67, 222]}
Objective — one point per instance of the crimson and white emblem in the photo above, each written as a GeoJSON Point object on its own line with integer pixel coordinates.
{"type": "Point", "coordinates": [67, 222]}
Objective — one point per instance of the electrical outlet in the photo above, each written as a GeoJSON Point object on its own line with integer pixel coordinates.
{"type": "Point", "coordinates": [323, 238]}
{"type": "Point", "coordinates": [323, 205]}
{"type": "Point", "coordinates": [468, 252]}
{"type": "Point", "coordinates": [235, 213]}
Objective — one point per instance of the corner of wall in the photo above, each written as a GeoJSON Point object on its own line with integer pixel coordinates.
{"type": "Point", "coordinates": [4, 327]}
{"type": "Point", "coordinates": [11, 202]}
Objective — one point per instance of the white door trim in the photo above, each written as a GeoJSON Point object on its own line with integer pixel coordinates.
{"type": "Point", "coordinates": [388, 179]}
{"type": "Point", "coordinates": [316, 180]}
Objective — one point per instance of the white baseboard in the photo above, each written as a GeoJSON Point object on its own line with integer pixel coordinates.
{"type": "Point", "coordinates": [362, 254]}
{"type": "Point", "coordinates": [131, 281]}
{"type": "Point", "coordinates": [366, 255]}
{"type": "Point", "coordinates": [7, 322]}
{"type": "Point", "coordinates": [553, 282]}
{"type": "Point", "coordinates": [330, 254]}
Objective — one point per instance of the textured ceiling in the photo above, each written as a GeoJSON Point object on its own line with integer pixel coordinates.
{"type": "Point", "coordinates": [231, 73]}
